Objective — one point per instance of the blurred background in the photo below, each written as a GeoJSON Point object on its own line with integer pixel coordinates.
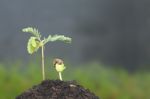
{"type": "Point", "coordinates": [109, 54]}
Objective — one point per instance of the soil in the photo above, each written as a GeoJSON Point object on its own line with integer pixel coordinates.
{"type": "Point", "coordinates": [56, 89]}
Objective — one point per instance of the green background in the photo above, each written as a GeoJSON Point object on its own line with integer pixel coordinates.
{"type": "Point", "coordinates": [105, 82]}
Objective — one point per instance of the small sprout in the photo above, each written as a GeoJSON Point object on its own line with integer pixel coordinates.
{"type": "Point", "coordinates": [36, 41]}
{"type": "Point", "coordinates": [59, 66]}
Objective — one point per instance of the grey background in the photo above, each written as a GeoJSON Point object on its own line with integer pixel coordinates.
{"type": "Point", "coordinates": [114, 32]}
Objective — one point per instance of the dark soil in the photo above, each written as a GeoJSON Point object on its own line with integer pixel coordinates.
{"type": "Point", "coordinates": [56, 89]}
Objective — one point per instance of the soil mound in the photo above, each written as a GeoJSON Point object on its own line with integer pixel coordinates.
{"type": "Point", "coordinates": [56, 89]}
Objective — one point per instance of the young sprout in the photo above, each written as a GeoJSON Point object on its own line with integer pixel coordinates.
{"type": "Point", "coordinates": [59, 66]}
{"type": "Point", "coordinates": [36, 41]}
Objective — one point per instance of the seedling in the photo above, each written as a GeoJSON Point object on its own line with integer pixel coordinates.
{"type": "Point", "coordinates": [59, 66]}
{"type": "Point", "coordinates": [36, 41]}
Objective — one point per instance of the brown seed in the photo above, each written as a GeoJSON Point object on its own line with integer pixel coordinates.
{"type": "Point", "coordinates": [57, 61]}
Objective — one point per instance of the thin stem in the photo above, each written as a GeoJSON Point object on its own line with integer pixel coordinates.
{"type": "Point", "coordinates": [43, 71]}
{"type": "Point", "coordinates": [60, 77]}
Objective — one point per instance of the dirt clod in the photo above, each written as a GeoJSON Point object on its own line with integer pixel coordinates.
{"type": "Point", "coordinates": [56, 89]}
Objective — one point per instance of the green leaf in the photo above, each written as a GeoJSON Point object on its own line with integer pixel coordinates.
{"type": "Point", "coordinates": [33, 42]}
{"type": "Point", "coordinates": [60, 68]}
{"type": "Point", "coordinates": [33, 45]}
{"type": "Point", "coordinates": [33, 31]}
{"type": "Point", "coordinates": [57, 38]}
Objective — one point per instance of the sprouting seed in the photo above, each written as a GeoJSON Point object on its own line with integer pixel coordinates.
{"type": "Point", "coordinates": [59, 66]}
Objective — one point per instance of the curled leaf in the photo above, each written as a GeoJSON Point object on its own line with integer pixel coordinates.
{"type": "Point", "coordinates": [33, 45]}
{"type": "Point", "coordinates": [33, 42]}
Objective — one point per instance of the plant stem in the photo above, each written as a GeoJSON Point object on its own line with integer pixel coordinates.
{"type": "Point", "coordinates": [60, 77]}
{"type": "Point", "coordinates": [43, 71]}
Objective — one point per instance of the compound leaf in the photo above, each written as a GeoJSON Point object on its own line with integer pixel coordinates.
{"type": "Point", "coordinates": [33, 31]}
{"type": "Point", "coordinates": [57, 38]}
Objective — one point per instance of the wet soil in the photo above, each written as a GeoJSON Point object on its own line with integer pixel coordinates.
{"type": "Point", "coordinates": [56, 89]}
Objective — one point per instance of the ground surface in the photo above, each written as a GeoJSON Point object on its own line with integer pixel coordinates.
{"type": "Point", "coordinates": [56, 89]}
